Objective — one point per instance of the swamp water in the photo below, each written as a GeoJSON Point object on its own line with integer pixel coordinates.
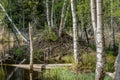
{"type": "Point", "coordinates": [9, 73]}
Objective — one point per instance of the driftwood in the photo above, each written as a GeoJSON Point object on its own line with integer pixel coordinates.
{"type": "Point", "coordinates": [38, 67]}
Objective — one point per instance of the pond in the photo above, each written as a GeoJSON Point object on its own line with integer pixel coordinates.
{"type": "Point", "coordinates": [9, 73]}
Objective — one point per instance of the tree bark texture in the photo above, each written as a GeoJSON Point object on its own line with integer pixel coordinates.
{"type": "Point", "coordinates": [93, 15]}
{"type": "Point", "coordinates": [75, 38]}
{"type": "Point", "coordinates": [99, 44]}
{"type": "Point", "coordinates": [47, 13]}
{"type": "Point", "coordinates": [52, 11]}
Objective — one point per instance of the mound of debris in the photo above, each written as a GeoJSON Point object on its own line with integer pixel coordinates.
{"type": "Point", "coordinates": [48, 48]}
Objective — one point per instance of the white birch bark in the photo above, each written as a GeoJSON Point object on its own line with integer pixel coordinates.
{"type": "Point", "coordinates": [13, 24]}
{"type": "Point", "coordinates": [93, 15]}
{"type": "Point", "coordinates": [62, 18]}
{"type": "Point", "coordinates": [75, 38]}
{"type": "Point", "coordinates": [52, 11]}
{"type": "Point", "coordinates": [100, 56]}
{"type": "Point", "coordinates": [47, 13]}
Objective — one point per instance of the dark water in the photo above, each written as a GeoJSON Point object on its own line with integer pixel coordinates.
{"type": "Point", "coordinates": [9, 73]}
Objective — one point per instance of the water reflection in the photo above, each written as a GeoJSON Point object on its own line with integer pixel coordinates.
{"type": "Point", "coordinates": [4, 49]}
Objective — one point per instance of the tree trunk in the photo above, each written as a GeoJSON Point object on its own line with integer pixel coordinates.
{"type": "Point", "coordinates": [62, 18]}
{"type": "Point", "coordinates": [31, 52]}
{"type": "Point", "coordinates": [68, 8]}
{"type": "Point", "coordinates": [100, 56]}
{"type": "Point", "coordinates": [75, 37]}
{"type": "Point", "coordinates": [93, 15]}
{"type": "Point", "coordinates": [47, 13]}
{"type": "Point", "coordinates": [52, 11]}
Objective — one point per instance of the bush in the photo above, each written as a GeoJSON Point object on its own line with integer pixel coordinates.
{"type": "Point", "coordinates": [110, 63]}
{"type": "Point", "coordinates": [20, 52]}
{"type": "Point", "coordinates": [50, 35]}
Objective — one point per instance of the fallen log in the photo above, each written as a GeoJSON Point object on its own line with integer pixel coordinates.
{"type": "Point", "coordinates": [38, 67]}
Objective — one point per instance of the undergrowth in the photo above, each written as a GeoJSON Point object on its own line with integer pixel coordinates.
{"type": "Point", "coordinates": [64, 74]}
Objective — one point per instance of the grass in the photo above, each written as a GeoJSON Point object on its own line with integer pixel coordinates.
{"type": "Point", "coordinates": [64, 74]}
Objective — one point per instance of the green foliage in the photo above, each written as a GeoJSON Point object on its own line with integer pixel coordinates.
{"type": "Point", "coordinates": [92, 46]}
{"type": "Point", "coordinates": [110, 52]}
{"type": "Point", "coordinates": [89, 61]}
{"type": "Point", "coordinates": [68, 59]}
{"type": "Point", "coordinates": [2, 14]}
{"type": "Point", "coordinates": [19, 52]}
{"type": "Point", "coordinates": [50, 35]}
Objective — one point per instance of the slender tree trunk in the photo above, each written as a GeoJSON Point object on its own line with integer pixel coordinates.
{"type": "Point", "coordinates": [31, 52]}
{"type": "Point", "coordinates": [93, 15]}
{"type": "Point", "coordinates": [52, 11]}
{"type": "Point", "coordinates": [100, 56]}
{"type": "Point", "coordinates": [75, 37]}
{"type": "Point", "coordinates": [47, 13]}
{"type": "Point", "coordinates": [13, 24]}
{"type": "Point", "coordinates": [68, 8]}
{"type": "Point", "coordinates": [62, 18]}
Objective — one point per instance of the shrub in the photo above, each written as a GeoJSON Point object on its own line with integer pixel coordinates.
{"type": "Point", "coordinates": [50, 35]}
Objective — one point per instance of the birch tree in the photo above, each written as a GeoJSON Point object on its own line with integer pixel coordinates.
{"type": "Point", "coordinates": [93, 15]}
{"type": "Point", "coordinates": [75, 38]}
{"type": "Point", "coordinates": [62, 18]}
{"type": "Point", "coordinates": [52, 11]}
{"type": "Point", "coordinates": [99, 43]}
{"type": "Point", "coordinates": [48, 14]}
